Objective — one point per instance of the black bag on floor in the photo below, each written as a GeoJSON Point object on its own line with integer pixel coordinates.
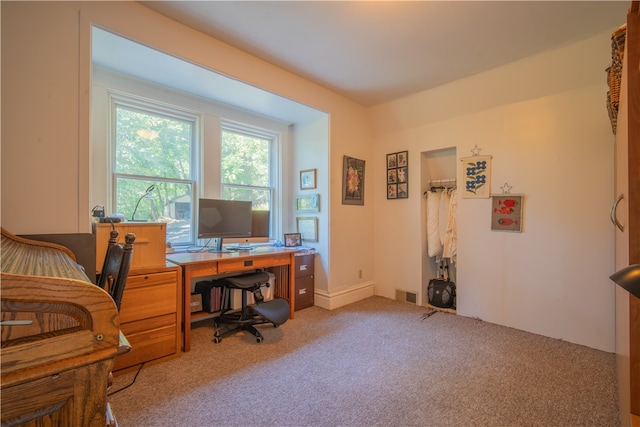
{"type": "Point", "coordinates": [441, 291]}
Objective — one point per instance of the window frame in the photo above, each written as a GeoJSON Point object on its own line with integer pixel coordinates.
{"type": "Point", "coordinates": [165, 110]}
{"type": "Point", "coordinates": [205, 168]}
{"type": "Point", "coordinates": [274, 139]}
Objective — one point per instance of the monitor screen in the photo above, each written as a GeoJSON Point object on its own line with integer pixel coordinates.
{"type": "Point", "coordinates": [260, 226]}
{"type": "Point", "coordinates": [260, 223]}
{"type": "Point", "coordinates": [223, 218]}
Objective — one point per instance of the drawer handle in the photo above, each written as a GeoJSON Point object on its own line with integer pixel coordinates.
{"type": "Point", "coordinates": [612, 212]}
{"type": "Point", "coordinates": [16, 322]}
{"type": "Point", "coordinates": [248, 263]}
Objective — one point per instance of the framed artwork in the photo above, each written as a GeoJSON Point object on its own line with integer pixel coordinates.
{"type": "Point", "coordinates": [308, 228]}
{"type": "Point", "coordinates": [477, 177]}
{"type": "Point", "coordinates": [308, 203]}
{"type": "Point", "coordinates": [506, 212]}
{"type": "Point", "coordinates": [292, 240]}
{"type": "Point", "coordinates": [308, 179]}
{"type": "Point", "coordinates": [398, 175]}
{"type": "Point", "coordinates": [352, 181]}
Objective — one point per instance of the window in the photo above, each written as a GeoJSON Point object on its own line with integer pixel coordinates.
{"type": "Point", "coordinates": [153, 176]}
{"type": "Point", "coordinates": [246, 159]}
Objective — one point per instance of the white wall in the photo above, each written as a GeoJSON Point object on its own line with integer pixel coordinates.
{"type": "Point", "coordinates": [544, 121]}
{"type": "Point", "coordinates": [45, 116]}
{"type": "Point", "coordinates": [44, 169]}
{"type": "Point", "coordinates": [311, 151]}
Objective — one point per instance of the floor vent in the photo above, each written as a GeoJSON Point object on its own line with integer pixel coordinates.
{"type": "Point", "coordinates": [406, 296]}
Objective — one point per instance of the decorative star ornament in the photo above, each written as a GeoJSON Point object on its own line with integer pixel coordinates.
{"type": "Point", "coordinates": [476, 150]}
{"type": "Point", "coordinates": [506, 188]}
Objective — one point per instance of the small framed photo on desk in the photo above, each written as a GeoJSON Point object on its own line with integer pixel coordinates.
{"type": "Point", "coordinates": [291, 240]}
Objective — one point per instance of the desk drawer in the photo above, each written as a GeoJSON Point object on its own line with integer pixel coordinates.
{"type": "Point", "coordinates": [150, 339]}
{"type": "Point", "coordinates": [304, 265]}
{"type": "Point", "coordinates": [304, 296]}
{"type": "Point", "coordinates": [149, 295]}
{"type": "Point", "coordinates": [139, 280]}
{"type": "Point", "coordinates": [249, 263]}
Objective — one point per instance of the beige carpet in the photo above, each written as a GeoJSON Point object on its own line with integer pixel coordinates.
{"type": "Point", "coordinates": [377, 362]}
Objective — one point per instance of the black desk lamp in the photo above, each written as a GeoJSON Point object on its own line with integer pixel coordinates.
{"type": "Point", "coordinates": [146, 193]}
{"type": "Point", "coordinates": [628, 278]}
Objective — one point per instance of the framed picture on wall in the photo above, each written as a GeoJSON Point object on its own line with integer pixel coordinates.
{"type": "Point", "coordinates": [506, 212]}
{"type": "Point", "coordinates": [352, 181]}
{"type": "Point", "coordinates": [308, 228]}
{"type": "Point", "coordinates": [398, 175]}
{"type": "Point", "coordinates": [308, 179]}
{"type": "Point", "coordinates": [308, 203]}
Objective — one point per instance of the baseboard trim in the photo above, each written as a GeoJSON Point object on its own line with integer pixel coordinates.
{"type": "Point", "coordinates": [347, 296]}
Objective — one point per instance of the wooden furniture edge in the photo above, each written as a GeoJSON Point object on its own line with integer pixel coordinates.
{"type": "Point", "coordinates": [39, 243]}
{"type": "Point", "coordinates": [100, 319]}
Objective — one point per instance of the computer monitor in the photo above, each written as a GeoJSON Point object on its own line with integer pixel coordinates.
{"type": "Point", "coordinates": [260, 230]}
{"type": "Point", "coordinates": [223, 218]}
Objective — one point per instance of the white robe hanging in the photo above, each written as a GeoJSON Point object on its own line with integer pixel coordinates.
{"type": "Point", "coordinates": [443, 215]}
{"type": "Point", "coordinates": [434, 245]}
{"type": "Point", "coordinates": [450, 246]}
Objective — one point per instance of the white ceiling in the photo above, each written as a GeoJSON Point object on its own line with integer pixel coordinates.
{"type": "Point", "coordinates": [116, 53]}
{"type": "Point", "coordinates": [376, 51]}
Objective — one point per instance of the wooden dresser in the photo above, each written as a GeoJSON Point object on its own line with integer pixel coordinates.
{"type": "Point", "coordinates": [151, 310]}
{"type": "Point", "coordinates": [60, 336]}
{"type": "Point", "coordinates": [150, 315]}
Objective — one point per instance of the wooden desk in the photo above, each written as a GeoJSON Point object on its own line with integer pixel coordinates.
{"type": "Point", "coordinates": [202, 264]}
{"type": "Point", "coordinates": [60, 336]}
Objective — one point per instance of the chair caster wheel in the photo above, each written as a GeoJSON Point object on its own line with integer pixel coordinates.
{"type": "Point", "coordinates": [217, 339]}
{"type": "Point", "coordinates": [259, 339]}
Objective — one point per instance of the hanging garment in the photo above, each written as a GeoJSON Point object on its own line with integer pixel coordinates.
{"type": "Point", "coordinates": [443, 215]}
{"type": "Point", "coordinates": [450, 247]}
{"type": "Point", "coordinates": [434, 246]}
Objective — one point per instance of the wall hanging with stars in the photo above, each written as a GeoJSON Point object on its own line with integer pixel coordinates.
{"type": "Point", "coordinates": [506, 212]}
{"type": "Point", "coordinates": [477, 175]}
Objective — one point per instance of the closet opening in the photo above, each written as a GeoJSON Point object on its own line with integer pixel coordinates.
{"type": "Point", "coordinates": [438, 220]}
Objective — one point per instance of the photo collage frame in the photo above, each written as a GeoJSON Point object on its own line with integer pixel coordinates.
{"type": "Point", "coordinates": [398, 175]}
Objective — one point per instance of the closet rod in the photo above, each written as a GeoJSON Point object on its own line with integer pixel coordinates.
{"type": "Point", "coordinates": [441, 184]}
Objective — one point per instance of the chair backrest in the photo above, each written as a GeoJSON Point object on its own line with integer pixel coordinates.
{"type": "Point", "coordinates": [115, 269]}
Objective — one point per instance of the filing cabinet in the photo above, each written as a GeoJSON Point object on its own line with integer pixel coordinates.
{"type": "Point", "coordinates": [304, 281]}
{"type": "Point", "coordinates": [150, 315]}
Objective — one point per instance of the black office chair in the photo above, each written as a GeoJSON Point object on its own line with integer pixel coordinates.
{"type": "Point", "coordinates": [275, 311]}
{"type": "Point", "coordinates": [115, 269]}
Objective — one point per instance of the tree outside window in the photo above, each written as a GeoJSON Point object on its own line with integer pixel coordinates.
{"type": "Point", "coordinates": [245, 168]}
{"type": "Point", "coordinates": [152, 169]}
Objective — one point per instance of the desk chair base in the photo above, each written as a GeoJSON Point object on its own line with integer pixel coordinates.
{"type": "Point", "coordinates": [275, 311]}
{"type": "Point", "coordinates": [223, 328]}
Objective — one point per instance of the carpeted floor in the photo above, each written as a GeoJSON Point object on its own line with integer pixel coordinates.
{"type": "Point", "coordinates": [377, 362]}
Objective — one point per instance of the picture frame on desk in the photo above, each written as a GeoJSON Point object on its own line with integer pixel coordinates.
{"type": "Point", "coordinates": [292, 240]}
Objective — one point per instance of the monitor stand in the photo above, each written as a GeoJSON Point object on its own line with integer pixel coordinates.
{"type": "Point", "coordinates": [218, 249]}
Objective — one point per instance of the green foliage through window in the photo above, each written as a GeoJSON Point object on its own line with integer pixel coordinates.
{"type": "Point", "coordinates": [245, 168]}
{"type": "Point", "coordinates": [152, 149]}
